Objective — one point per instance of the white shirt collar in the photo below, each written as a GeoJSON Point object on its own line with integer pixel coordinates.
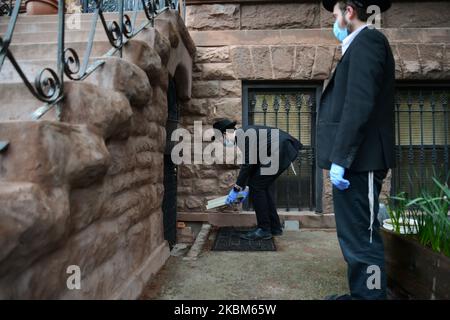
{"type": "Point", "coordinates": [349, 39]}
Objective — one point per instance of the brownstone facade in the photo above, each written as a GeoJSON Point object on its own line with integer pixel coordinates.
{"type": "Point", "coordinates": [86, 191]}
{"type": "Point", "coordinates": [288, 41]}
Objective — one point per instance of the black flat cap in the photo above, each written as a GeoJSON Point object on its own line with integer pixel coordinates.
{"type": "Point", "coordinates": [224, 124]}
{"type": "Point", "coordinates": [383, 4]}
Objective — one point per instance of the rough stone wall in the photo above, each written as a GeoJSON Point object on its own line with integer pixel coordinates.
{"type": "Point", "coordinates": [87, 191]}
{"type": "Point", "coordinates": [289, 41]}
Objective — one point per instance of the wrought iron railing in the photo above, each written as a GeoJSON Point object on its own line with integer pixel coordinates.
{"type": "Point", "coordinates": [422, 119]}
{"type": "Point", "coordinates": [48, 85]}
{"type": "Point", "coordinates": [6, 7]}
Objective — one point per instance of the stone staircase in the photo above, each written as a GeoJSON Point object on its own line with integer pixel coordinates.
{"type": "Point", "coordinates": [34, 46]}
{"type": "Point", "coordinates": [86, 189]}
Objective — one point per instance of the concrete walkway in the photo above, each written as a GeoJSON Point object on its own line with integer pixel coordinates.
{"type": "Point", "coordinates": [307, 265]}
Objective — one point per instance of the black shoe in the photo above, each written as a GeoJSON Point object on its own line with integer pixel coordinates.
{"type": "Point", "coordinates": [338, 297]}
{"type": "Point", "coordinates": [277, 232]}
{"type": "Point", "coordinates": [258, 234]}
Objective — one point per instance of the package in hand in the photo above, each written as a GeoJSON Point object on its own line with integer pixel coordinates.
{"type": "Point", "coordinates": [220, 202]}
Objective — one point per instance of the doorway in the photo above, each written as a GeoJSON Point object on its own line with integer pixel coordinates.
{"type": "Point", "coordinates": [169, 205]}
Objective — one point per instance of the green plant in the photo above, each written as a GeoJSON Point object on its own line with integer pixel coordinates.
{"type": "Point", "coordinates": [429, 213]}
{"type": "Point", "coordinates": [397, 210]}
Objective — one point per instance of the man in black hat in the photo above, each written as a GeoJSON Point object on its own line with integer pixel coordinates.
{"type": "Point", "coordinates": [279, 150]}
{"type": "Point", "coordinates": [355, 141]}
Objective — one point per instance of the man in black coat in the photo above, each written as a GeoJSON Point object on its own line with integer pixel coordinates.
{"type": "Point", "coordinates": [267, 153]}
{"type": "Point", "coordinates": [355, 141]}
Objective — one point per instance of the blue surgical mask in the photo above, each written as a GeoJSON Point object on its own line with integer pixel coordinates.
{"type": "Point", "coordinates": [228, 143]}
{"type": "Point", "coordinates": [339, 33]}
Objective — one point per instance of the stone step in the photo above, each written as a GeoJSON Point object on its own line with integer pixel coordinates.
{"type": "Point", "coordinates": [131, 52]}
{"type": "Point", "coordinates": [110, 113]}
{"type": "Point", "coordinates": [30, 68]}
{"type": "Point", "coordinates": [52, 36]}
{"type": "Point", "coordinates": [45, 26]}
{"type": "Point", "coordinates": [48, 50]}
{"type": "Point", "coordinates": [70, 35]}
{"type": "Point", "coordinates": [306, 219]}
{"type": "Point", "coordinates": [17, 102]}
{"type": "Point", "coordinates": [24, 18]}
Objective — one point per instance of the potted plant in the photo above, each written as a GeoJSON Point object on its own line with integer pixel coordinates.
{"type": "Point", "coordinates": [38, 7]}
{"type": "Point", "coordinates": [417, 244]}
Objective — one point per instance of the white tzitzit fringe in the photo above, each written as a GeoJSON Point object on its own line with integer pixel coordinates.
{"type": "Point", "coordinates": [372, 212]}
{"type": "Point", "coordinates": [292, 166]}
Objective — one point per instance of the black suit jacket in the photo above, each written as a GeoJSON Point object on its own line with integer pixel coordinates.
{"type": "Point", "coordinates": [355, 126]}
{"type": "Point", "coordinates": [287, 151]}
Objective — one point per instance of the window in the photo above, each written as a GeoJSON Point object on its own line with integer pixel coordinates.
{"type": "Point", "coordinates": [422, 136]}
{"type": "Point", "coordinates": [291, 108]}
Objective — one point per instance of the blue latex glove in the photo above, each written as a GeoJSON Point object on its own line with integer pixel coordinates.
{"type": "Point", "coordinates": [244, 195]}
{"type": "Point", "coordinates": [337, 177]}
{"type": "Point", "coordinates": [232, 196]}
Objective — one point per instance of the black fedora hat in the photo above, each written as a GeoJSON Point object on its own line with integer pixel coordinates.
{"type": "Point", "coordinates": [383, 4]}
{"type": "Point", "coordinates": [224, 124]}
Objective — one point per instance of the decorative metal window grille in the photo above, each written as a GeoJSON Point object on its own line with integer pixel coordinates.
{"type": "Point", "coordinates": [292, 109]}
{"type": "Point", "coordinates": [422, 136]}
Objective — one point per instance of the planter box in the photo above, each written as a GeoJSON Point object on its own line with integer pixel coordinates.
{"type": "Point", "coordinates": [413, 270]}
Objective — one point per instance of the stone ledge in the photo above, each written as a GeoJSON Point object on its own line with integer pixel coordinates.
{"type": "Point", "coordinates": [310, 36]}
{"type": "Point", "coordinates": [262, 14]}
{"type": "Point", "coordinates": [308, 62]}
{"type": "Point", "coordinates": [307, 219]}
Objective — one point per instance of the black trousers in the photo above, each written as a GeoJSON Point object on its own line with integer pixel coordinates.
{"type": "Point", "coordinates": [364, 256]}
{"type": "Point", "coordinates": [263, 201]}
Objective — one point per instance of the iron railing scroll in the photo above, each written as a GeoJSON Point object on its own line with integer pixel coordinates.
{"type": "Point", "coordinates": [6, 7]}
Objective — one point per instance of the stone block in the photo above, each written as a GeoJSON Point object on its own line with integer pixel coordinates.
{"type": "Point", "coordinates": [205, 89]}
{"type": "Point", "coordinates": [283, 61]}
{"type": "Point", "coordinates": [231, 88]}
{"type": "Point", "coordinates": [125, 77]}
{"type": "Point", "coordinates": [216, 71]}
{"type": "Point", "coordinates": [431, 58]}
{"type": "Point", "coordinates": [213, 17]}
{"type": "Point", "coordinates": [417, 14]}
{"type": "Point", "coordinates": [280, 16]}
{"type": "Point", "coordinates": [212, 55]}
{"type": "Point", "coordinates": [323, 62]}
{"type": "Point", "coordinates": [262, 58]}
{"type": "Point", "coordinates": [225, 108]}
{"type": "Point", "coordinates": [57, 154]}
{"type": "Point", "coordinates": [106, 111]}
{"type": "Point", "coordinates": [409, 60]}
{"type": "Point", "coordinates": [304, 61]}
{"type": "Point", "coordinates": [242, 62]}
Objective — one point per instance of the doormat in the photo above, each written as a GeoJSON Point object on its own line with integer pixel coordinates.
{"type": "Point", "coordinates": [228, 239]}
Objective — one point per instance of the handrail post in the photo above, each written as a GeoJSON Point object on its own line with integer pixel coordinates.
{"type": "Point", "coordinates": [121, 26]}
{"type": "Point", "coordinates": [60, 54]}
